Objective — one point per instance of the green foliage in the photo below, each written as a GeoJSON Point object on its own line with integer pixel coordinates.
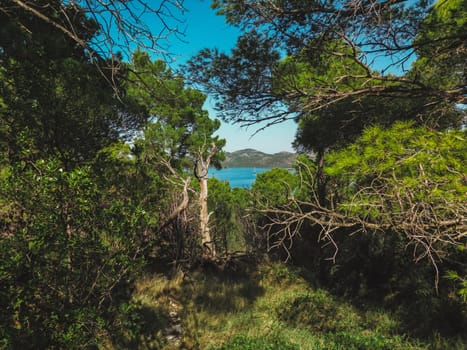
{"type": "Point", "coordinates": [69, 244]}
{"type": "Point", "coordinates": [440, 44]}
{"type": "Point", "coordinates": [365, 341]}
{"type": "Point", "coordinates": [343, 326]}
{"type": "Point", "coordinates": [55, 102]}
{"type": "Point", "coordinates": [281, 275]}
{"type": "Point", "coordinates": [68, 255]}
{"type": "Point", "coordinates": [227, 207]}
{"type": "Point", "coordinates": [314, 72]}
{"type": "Point", "coordinates": [454, 276]}
{"type": "Point", "coordinates": [179, 129]}
{"type": "Point", "coordinates": [238, 79]}
{"type": "Point", "coordinates": [245, 342]}
{"type": "Point", "coordinates": [317, 311]}
{"type": "Point", "coordinates": [402, 159]}
{"type": "Point", "coordinates": [394, 177]}
{"type": "Point", "coordinates": [329, 70]}
{"type": "Point", "coordinates": [180, 138]}
{"type": "Point", "coordinates": [138, 327]}
{"type": "Point", "coordinates": [245, 307]}
{"type": "Point", "coordinates": [342, 122]}
{"type": "Point", "coordinates": [275, 187]}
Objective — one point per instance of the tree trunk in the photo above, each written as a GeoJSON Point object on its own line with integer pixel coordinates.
{"type": "Point", "coordinates": [201, 173]}
{"type": "Point", "coordinates": [321, 178]}
{"type": "Point", "coordinates": [205, 233]}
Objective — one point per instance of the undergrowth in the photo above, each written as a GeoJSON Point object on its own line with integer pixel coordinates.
{"type": "Point", "coordinates": [269, 306]}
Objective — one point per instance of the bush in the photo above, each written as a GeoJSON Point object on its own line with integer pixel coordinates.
{"type": "Point", "coordinates": [317, 311]}
{"type": "Point", "coordinates": [68, 255]}
{"type": "Point", "coordinates": [245, 342]}
{"type": "Point", "coordinates": [365, 341]}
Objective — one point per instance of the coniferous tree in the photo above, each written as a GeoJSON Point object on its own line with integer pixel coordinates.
{"type": "Point", "coordinates": [180, 132]}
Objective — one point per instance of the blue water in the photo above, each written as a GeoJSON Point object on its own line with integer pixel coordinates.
{"type": "Point", "coordinates": [237, 177]}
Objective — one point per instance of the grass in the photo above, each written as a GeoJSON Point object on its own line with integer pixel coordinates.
{"type": "Point", "coordinates": [264, 307]}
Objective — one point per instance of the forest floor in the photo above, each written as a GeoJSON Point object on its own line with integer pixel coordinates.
{"type": "Point", "coordinates": [266, 306]}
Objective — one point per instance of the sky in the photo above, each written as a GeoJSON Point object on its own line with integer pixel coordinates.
{"type": "Point", "coordinates": [204, 29]}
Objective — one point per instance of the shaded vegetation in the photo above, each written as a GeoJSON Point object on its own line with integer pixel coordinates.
{"type": "Point", "coordinates": [272, 306]}
{"type": "Point", "coordinates": [113, 237]}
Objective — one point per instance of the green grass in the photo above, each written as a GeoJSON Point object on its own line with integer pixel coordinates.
{"type": "Point", "coordinates": [266, 307]}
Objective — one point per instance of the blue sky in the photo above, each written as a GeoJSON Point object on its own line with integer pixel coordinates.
{"type": "Point", "coordinates": [203, 28]}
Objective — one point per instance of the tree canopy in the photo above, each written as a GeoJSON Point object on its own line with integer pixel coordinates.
{"type": "Point", "coordinates": [123, 24]}
{"type": "Point", "coordinates": [372, 42]}
{"type": "Point", "coordinates": [54, 99]}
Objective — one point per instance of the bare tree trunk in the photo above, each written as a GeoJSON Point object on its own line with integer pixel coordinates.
{"type": "Point", "coordinates": [206, 239]}
{"type": "Point", "coordinates": [201, 173]}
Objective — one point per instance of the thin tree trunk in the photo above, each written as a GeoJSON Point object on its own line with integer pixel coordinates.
{"type": "Point", "coordinates": [321, 178]}
{"type": "Point", "coordinates": [206, 239]}
{"type": "Point", "coordinates": [201, 173]}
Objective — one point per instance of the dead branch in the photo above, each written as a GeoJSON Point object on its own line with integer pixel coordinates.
{"type": "Point", "coordinates": [181, 207]}
{"type": "Point", "coordinates": [124, 24]}
{"type": "Point", "coordinates": [430, 226]}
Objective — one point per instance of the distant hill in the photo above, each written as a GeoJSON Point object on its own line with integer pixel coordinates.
{"type": "Point", "coordinates": [250, 158]}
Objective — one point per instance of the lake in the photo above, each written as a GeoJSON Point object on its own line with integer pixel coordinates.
{"type": "Point", "coordinates": [237, 177]}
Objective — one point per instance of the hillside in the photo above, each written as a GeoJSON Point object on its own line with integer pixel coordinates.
{"type": "Point", "coordinates": [248, 158]}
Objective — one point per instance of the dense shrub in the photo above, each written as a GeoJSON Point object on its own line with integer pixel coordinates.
{"type": "Point", "coordinates": [68, 254]}
{"type": "Point", "coordinates": [245, 342]}
{"type": "Point", "coordinates": [317, 311]}
{"type": "Point", "coordinates": [365, 341]}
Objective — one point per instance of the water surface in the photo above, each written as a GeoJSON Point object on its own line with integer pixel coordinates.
{"type": "Point", "coordinates": [237, 177]}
